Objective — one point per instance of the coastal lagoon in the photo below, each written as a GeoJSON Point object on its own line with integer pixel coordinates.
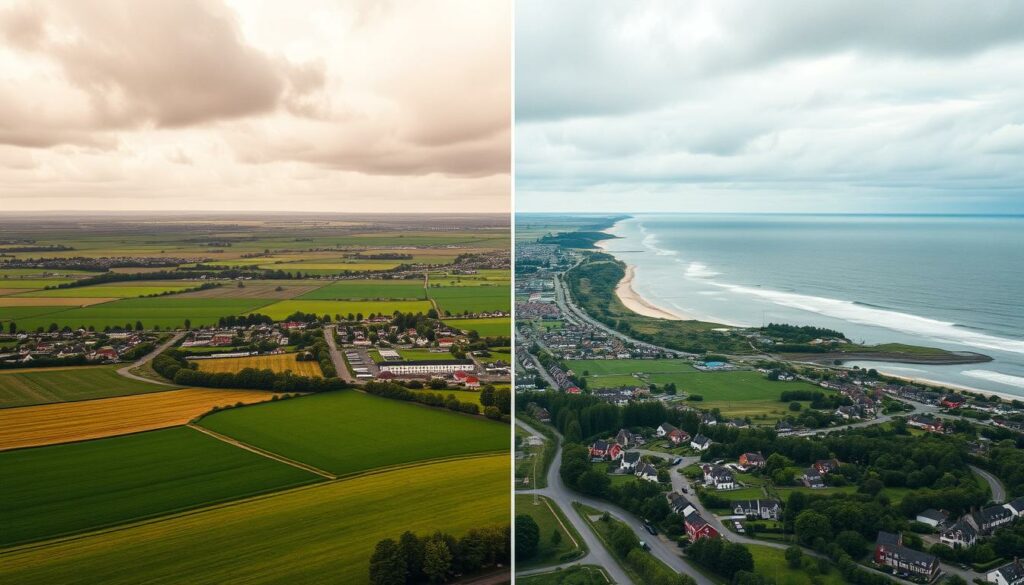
{"type": "Point", "coordinates": [955, 282]}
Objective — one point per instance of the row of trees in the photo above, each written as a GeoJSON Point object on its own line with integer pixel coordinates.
{"type": "Point", "coordinates": [399, 392]}
{"type": "Point", "coordinates": [172, 365]}
{"type": "Point", "coordinates": [439, 557]}
{"type": "Point", "coordinates": [722, 557]}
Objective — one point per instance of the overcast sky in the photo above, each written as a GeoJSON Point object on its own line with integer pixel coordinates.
{"type": "Point", "coordinates": [781, 106]}
{"type": "Point", "coordinates": [300, 105]}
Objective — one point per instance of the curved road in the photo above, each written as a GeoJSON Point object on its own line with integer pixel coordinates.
{"type": "Point", "coordinates": [124, 371]}
{"type": "Point", "coordinates": [998, 491]}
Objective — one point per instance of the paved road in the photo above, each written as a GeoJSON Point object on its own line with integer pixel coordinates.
{"type": "Point", "coordinates": [336, 357]}
{"type": "Point", "coordinates": [998, 491]}
{"type": "Point", "coordinates": [124, 371]}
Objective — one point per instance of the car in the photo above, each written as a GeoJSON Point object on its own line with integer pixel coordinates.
{"type": "Point", "coordinates": [649, 528]}
{"type": "Point", "coordinates": [684, 490]}
{"type": "Point", "coordinates": [677, 461]}
{"type": "Point", "coordinates": [644, 545]}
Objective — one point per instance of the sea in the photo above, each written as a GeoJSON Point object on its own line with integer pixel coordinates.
{"type": "Point", "coordinates": [955, 282]}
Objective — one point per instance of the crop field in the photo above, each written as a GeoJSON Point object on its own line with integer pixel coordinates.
{"type": "Point", "coordinates": [165, 312]}
{"type": "Point", "coordinates": [278, 363]}
{"type": "Point", "coordinates": [460, 395]}
{"type": "Point", "coordinates": [22, 388]}
{"type": "Point", "coordinates": [324, 533]}
{"type": "Point", "coordinates": [262, 290]}
{"type": "Point", "coordinates": [320, 268]}
{"type": "Point", "coordinates": [368, 290]}
{"type": "Point", "coordinates": [347, 432]}
{"type": "Point", "coordinates": [51, 491]}
{"type": "Point", "coordinates": [59, 302]}
{"type": "Point", "coordinates": [48, 424]}
{"type": "Point", "coordinates": [457, 300]}
{"type": "Point", "coordinates": [284, 308]}
{"type": "Point", "coordinates": [115, 290]}
{"type": "Point", "coordinates": [495, 327]}
{"type": "Point", "coordinates": [21, 313]}
{"type": "Point", "coordinates": [31, 283]}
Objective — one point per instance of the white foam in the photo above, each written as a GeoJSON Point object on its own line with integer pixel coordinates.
{"type": "Point", "coordinates": [999, 377]}
{"type": "Point", "coordinates": [699, 270]}
{"type": "Point", "coordinates": [941, 331]}
{"type": "Point", "coordinates": [650, 241]}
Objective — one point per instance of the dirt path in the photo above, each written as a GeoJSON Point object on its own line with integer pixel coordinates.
{"type": "Point", "coordinates": [262, 452]}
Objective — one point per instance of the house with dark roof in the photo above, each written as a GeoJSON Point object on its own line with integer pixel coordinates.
{"type": "Point", "coordinates": [1011, 573]}
{"type": "Point", "coordinates": [647, 471]}
{"type": "Point", "coordinates": [601, 450]}
{"type": "Point", "coordinates": [890, 552]}
{"type": "Point", "coordinates": [932, 517]}
{"type": "Point", "coordinates": [986, 520]}
{"type": "Point", "coordinates": [678, 436]}
{"type": "Point", "coordinates": [664, 429]}
{"type": "Point", "coordinates": [826, 466]}
{"type": "Point", "coordinates": [629, 461]}
{"type": "Point", "coordinates": [764, 509]}
{"type": "Point", "coordinates": [700, 443]}
{"type": "Point", "coordinates": [680, 505]}
{"type": "Point", "coordinates": [718, 477]}
{"type": "Point", "coordinates": [812, 478]}
{"type": "Point", "coordinates": [960, 535]}
{"type": "Point", "coordinates": [751, 461]}
{"type": "Point", "coordinates": [697, 528]}
{"type": "Point", "coordinates": [628, 439]}
{"type": "Point", "coordinates": [1016, 506]}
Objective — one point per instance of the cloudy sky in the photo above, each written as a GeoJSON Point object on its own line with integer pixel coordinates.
{"type": "Point", "coordinates": [781, 106]}
{"type": "Point", "coordinates": [360, 105]}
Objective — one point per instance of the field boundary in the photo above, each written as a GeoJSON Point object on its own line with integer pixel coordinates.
{"type": "Point", "coordinates": [263, 452]}
{"type": "Point", "coordinates": [28, 546]}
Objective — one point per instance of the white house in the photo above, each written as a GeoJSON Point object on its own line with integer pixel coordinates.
{"type": "Point", "coordinates": [700, 443]}
{"type": "Point", "coordinates": [1011, 573]}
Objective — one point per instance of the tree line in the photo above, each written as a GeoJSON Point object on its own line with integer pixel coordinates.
{"type": "Point", "coordinates": [439, 557]}
{"type": "Point", "coordinates": [172, 365]}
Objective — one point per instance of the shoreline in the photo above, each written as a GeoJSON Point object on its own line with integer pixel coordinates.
{"type": "Point", "coordinates": [636, 302]}
{"type": "Point", "coordinates": [949, 385]}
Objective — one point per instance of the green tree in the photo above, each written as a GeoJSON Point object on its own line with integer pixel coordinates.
{"type": "Point", "coordinates": [851, 542]}
{"type": "Point", "coordinates": [12, 328]}
{"type": "Point", "coordinates": [527, 536]}
{"type": "Point", "coordinates": [573, 434]}
{"type": "Point", "coordinates": [811, 525]}
{"type": "Point", "coordinates": [793, 556]}
{"type": "Point", "coordinates": [593, 482]}
{"type": "Point", "coordinates": [487, 395]}
{"type": "Point", "coordinates": [437, 560]}
{"type": "Point", "coordinates": [387, 565]}
{"type": "Point", "coordinates": [734, 558]}
{"type": "Point", "coordinates": [622, 539]}
{"type": "Point", "coordinates": [412, 551]}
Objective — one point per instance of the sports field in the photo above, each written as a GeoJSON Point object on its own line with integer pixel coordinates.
{"type": "Point", "coordinates": [26, 388]}
{"type": "Point", "coordinates": [282, 309]}
{"type": "Point", "coordinates": [278, 363]}
{"type": "Point", "coordinates": [47, 424]}
{"type": "Point", "coordinates": [323, 533]}
{"type": "Point", "coordinates": [368, 290]}
{"type": "Point", "coordinates": [50, 491]}
{"type": "Point", "coordinates": [348, 432]}
{"type": "Point", "coordinates": [495, 327]}
{"type": "Point", "coordinates": [457, 300]}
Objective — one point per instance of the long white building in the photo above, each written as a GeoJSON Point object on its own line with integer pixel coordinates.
{"type": "Point", "coordinates": [427, 367]}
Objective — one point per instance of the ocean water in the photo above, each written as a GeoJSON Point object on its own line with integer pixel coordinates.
{"type": "Point", "coordinates": [955, 282]}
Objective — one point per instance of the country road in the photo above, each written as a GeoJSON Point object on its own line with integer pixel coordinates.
{"type": "Point", "coordinates": [336, 358]}
{"type": "Point", "coordinates": [125, 370]}
{"type": "Point", "coordinates": [998, 491]}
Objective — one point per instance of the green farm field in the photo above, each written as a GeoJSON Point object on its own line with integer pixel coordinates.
{"type": "Point", "coordinates": [284, 308]}
{"type": "Point", "coordinates": [604, 367]}
{"type": "Point", "coordinates": [117, 290]}
{"type": "Point", "coordinates": [368, 290]}
{"type": "Point", "coordinates": [20, 313]}
{"type": "Point", "coordinates": [495, 327]}
{"type": "Point", "coordinates": [31, 283]}
{"type": "Point", "coordinates": [67, 384]}
{"type": "Point", "coordinates": [166, 312]}
{"type": "Point", "coordinates": [457, 300]}
{"type": "Point", "coordinates": [323, 533]}
{"type": "Point", "coordinates": [348, 432]}
{"type": "Point", "coordinates": [61, 489]}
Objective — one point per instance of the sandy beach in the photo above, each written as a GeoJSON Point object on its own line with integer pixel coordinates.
{"type": "Point", "coordinates": [638, 304]}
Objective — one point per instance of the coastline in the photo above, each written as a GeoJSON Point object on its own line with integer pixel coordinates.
{"type": "Point", "coordinates": [635, 302]}
{"type": "Point", "coordinates": [937, 384]}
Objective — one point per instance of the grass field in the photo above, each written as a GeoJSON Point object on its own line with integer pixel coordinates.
{"type": "Point", "coordinates": [368, 290]}
{"type": "Point", "coordinates": [278, 363]}
{"type": "Point", "coordinates": [318, 534]}
{"type": "Point", "coordinates": [497, 327]}
{"type": "Point", "coordinates": [321, 268]}
{"type": "Point", "coordinates": [257, 290]}
{"type": "Point", "coordinates": [460, 395]}
{"type": "Point", "coordinates": [627, 367]}
{"type": "Point", "coordinates": [58, 302]}
{"type": "Point", "coordinates": [31, 283]}
{"type": "Point", "coordinates": [47, 424]}
{"type": "Point", "coordinates": [543, 514]}
{"type": "Point", "coordinates": [49, 491]}
{"type": "Point", "coordinates": [570, 575]}
{"type": "Point", "coordinates": [21, 388]}
{"type": "Point", "coordinates": [282, 309]}
{"type": "Point", "coordinates": [20, 313]}
{"type": "Point", "coordinates": [139, 289]}
{"type": "Point", "coordinates": [347, 432]}
{"type": "Point", "coordinates": [457, 300]}
{"type": "Point", "coordinates": [166, 312]}
{"type": "Point", "coordinates": [771, 563]}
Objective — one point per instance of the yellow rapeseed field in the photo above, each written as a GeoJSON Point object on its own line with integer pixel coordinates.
{"type": "Point", "coordinates": [278, 363]}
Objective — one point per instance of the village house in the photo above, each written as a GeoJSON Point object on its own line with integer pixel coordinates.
{"type": "Point", "coordinates": [812, 478]}
{"type": "Point", "coordinates": [1011, 573]}
{"type": "Point", "coordinates": [601, 450]}
{"type": "Point", "coordinates": [647, 471]}
{"type": "Point", "coordinates": [680, 505]}
{"type": "Point", "coordinates": [890, 552]}
{"type": "Point", "coordinates": [986, 520]}
{"type": "Point", "coordinates": [751, 461]}
{"type": "Point", "coordinates": [960, 535]}
{"type": "Point", "coordinates": [766, 509]}
{"type": "Point", "coordinates": [664, 429]}
{"type": "Point", "coordinates": [700, 443]}
{"type": "Point", "coordinates": [718, 477]}
{"type": "Point", "coordinates": [629, 461]}
{"type": "Point", "coordinates": [925, 422]}
{"type": "Point", "coordinates": [628, 439]}
{"type": "Point", "coordinates": [697, 527]}
{"type": "Point", "coordinates": [932, 517]}
{"type": "Point", "coordinates": [678, 437]}
{"type": "Point", "coordinates": [826, 466]}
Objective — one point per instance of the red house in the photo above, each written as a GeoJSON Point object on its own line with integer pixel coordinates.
{"type": "Point", "coordinates": [952, 401]}
{"type": "Point", "coordinates": [573, 390]}
{"type": "Point", "coordinates": [750, 460]}
{"type": "Point", "coordinates": [605, 450]}
{"type": "Point", "coordinates": [697, 528]}
{"type": "Point", "coordinates": [678, 437]}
